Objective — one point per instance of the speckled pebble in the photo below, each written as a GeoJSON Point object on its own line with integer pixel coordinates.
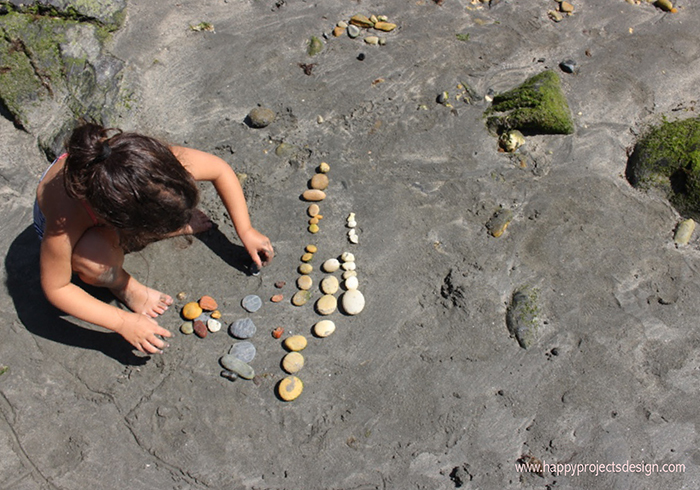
{"type": "Point", "coordinates": [326, 304]}
{"type": "Point", "coordinates": [187, 328]}
{"type": "Point", "coordinates": [319, 181]}
{"type": "Point", "coordinates": [329, 285]}
{"type": "Point", "coordinates": [243, 328]}
{"type": "Point", "coordinates": [353, 302]}
{"type": "Point", "coordinates": [313, 210]}
{"type": "Point", "coordinates": [213, 325]}
{"type": "Point", "coordinates": [305, 269]}
{"type": "Point", "coordinates": [200, 329]}
{"type": "Point", "coordinates": [305, 282]}
{"type": "Point", "coordinates": [324, 328]}
{"type": "Point", "coordinates": [290, 388]}
{"type": "Point", "coordinates": [245, 351]}
{"type": "Point", "coordinates": [300, 298]}
{"type": "Point", "coordinates": [324, 168]}
{"type": "Point", "coordinates": [295, 343]}
{"type": "Point", "coordinates": [235, 365]}
{"type": "Point", "coordinates": [331, 265]}
{"type": "Point", "coordinates": [313, 195]}
{"type": "Point", "coordinates": [293, 362]}
{"type": "Point", "coordinates": [251, 303]}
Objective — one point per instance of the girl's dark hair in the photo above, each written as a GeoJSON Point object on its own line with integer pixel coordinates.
{"type": "Point", "coordinates": [131, 181]}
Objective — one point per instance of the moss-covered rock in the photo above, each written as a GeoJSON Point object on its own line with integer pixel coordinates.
{"type": "Point", "coordinates": [108, 13]}
{"type": "Point", "coordinates": [536, 106]}
{"type": "Point", "coordinates": [667, 157]}
{"type": "Point", "coordinates": [522, 317]}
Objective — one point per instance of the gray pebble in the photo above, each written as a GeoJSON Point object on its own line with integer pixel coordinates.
{"type": "Point", "coordinates": [235, 365]}
{"type": "Point", "coordinates": [251, 303]}
{"type": "Point", "coordinates": [243, 328]}
{"type": "Point", "coordinates": [229, 375]}
{"type": "Point", "coordinates": [261, 117]}
{"type": "Point", "coordinates": [568, 66]}
{"type": "Point", "coordinates": [353, 31]}
{"type": "Point", "coordinates": [245, 351]}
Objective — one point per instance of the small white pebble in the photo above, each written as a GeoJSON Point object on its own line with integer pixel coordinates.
{"type": "Point", "coordinates": [352, 224]}
{"type": "Point", "coordinates": [353, 239]}
{"type": "Point", "coordinates": [349, 266]}
{"type": "Point", "coordinates": [351, 282]}
{"type": "Point", "coordinates": [347, 257]}
{"type": "Point", "coordinates": [351, 217]}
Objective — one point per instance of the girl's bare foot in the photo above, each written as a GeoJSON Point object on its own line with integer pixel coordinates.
{"type": "Point", "coordinates": [142, 299]}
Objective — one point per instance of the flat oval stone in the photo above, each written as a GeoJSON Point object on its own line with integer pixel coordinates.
{"type": "Point", "coordinates": [305, 269]}
{"type": "Point", "coordinates": [187, 328]}
{"type": "Point", "coordinates": [251, 303]}
{"type": "Point", "coordinates": [245, 351]}
{"type": "Point", "coordinates": [290, 388]}
{"type": "Point", "coordinates": [191, 311]}
{"type": "Point", "coordinates": [351, 283]}
{"type": "Point", "coordinates": [200, 329]}
{"type": "Point", "coordinates": [330, 285]}
{"type": "Point", "coordinates": [300, 298]}
{"type": "Point", "coordinates": [353, 31]}
{"type": "Point", "coordinates": [295, 343]}
{"type": "Point", "coordinates": [326, 304]}
{"type": "Point", "coordinates": [243, 328]}
{"type": "Point", "coordinates": [213, 325]}
{"type": "Point", "coordinates": [347, 274]}
{"type": "Point", "coordinates": [312, 249]}
{"type": "Point", "coordinates": [261, 117]}
{"type": "Point", "coordinates": [347, 257]}
{"type": "Point", "coordinates": [305, 282]}
{"type": "Point", "coordinates": [293, 362]}
{"type": "Point", "coordinates": [314, 195]}
{"type": "Point", "coordinates": [319, 181]}
{"type": "Point", "coordinates": [313, 228]}
{"type": "Point", "coordinates": [324, 328]}
{"type": "Point", "coordinates": [313, 210]}
{"type": "Point", "coordinates": [353, 302]}
{"type": "Point", "coordinates": [349, 266]}
{"type": "Point", "coordinates": [384, 26]}
{"type": "Point", "coordinates": [277, 298]}
{"type": "Point", "coordinates": [331, 265]}
{"type": "Point", "coordinates": [207, 303]}
{"type": "Point", "coordinates": [307, 257]}
{"type": "Point", "coordinates": [235, 365]}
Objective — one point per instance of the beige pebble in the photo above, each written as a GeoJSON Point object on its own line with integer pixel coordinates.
{"type": "Point", "coordinates": [313, 210]}
{"type": "Point", "coordinates": [324, 328]}
{"type": "Point", "coordinates": [314, 220]}
{"type": "Point", "coordinates": [353, 301]}
{"type": "Point", "coordinates": [312, 249]}
{"type": "Point", "coordinates": [295, 343]}
{"type": "Point", "coordinates": [349, 266]}
{"type": "Point", "coordinates": [300, 298]}
{"type": "Point", "coordinates": [330, 285]}
{"type": "Point", "coordinates": [347, 257]}
{"type": "Point", "coordinates": [684, 232]}
{"type": "Point", "coordinates": [361, 21]}
{"type": "Point", "coordinates": [385, 26]}
{"type": "Point", "coordinates": [305, 269]}
{"type": "Point", "coordinates": [305, 282]}
{"type": "Point", "coordinates": [342, 24]}
{"type": "Point", "coordinates": [213, 325]}
{"type": "Point", "coordinates": [314, 195]}
{"type": "Point", "coordinates": [347, 274]}
{"type": "Point", "coordinates": [307, 257]}
{"type": "Point", "coordinates": [566, 7]}
{"type": "Point", "coordinates": [319, 181]}
{"type": "Point", "coordinates": [324, 168]}
{"type": "Point", "coordinates": [293, 362]}
{"type": "Point", "coordinates": [338, 31]}
{"type": "Point", "coordinates": [290, 388]}
{"type": "Point", "coordinates": [351, 283]}
{"type": "Point", "coordinates": [326, 304]}
{"type": "Point", "coordinates": [313, 228]}
{"type": "Point", "coordinates": [374, 40]}
{"type": "Point", "coordinates": [331, 265]}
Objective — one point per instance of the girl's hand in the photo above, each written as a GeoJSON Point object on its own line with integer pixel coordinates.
{"type": "Point", "coordinates": [258, 246]}
{"type": "Point", "coordinates": [142, 331]}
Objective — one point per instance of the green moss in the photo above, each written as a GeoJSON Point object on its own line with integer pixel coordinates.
{"type": "Point", "coordinates": [522, 317]}
{"type": "Point", "coordinates": [315, 46]}
{"type": "Point", "coordinates": [3, 369]}
{"type": "Point", "coordinates": [462, 37]}
{"type": "Point", "coordinates": [667, 157]}
{"type": "Point", "coordinates": [538, 105]}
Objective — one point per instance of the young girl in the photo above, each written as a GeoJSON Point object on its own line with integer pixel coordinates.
{"type": "Point", "coordinates": [113, 192]}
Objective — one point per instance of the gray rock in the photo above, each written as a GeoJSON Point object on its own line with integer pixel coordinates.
{"type": "Point", "coordinates": [261, 117]}
{"type": "Point", "coordinates": [251, 303]}
{"type": "Point", "coordinates": [243, 328]}
{"type": "Point", "coordinates": [245, 351]}
{"type": "Point", "coordinates": [235, 365]}
{"type": "Point", "coordinates": [522, 317]}
{"type": "Point", "coordinates": [111, 13]}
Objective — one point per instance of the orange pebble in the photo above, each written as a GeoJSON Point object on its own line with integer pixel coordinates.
{"type": "Point", "coordinates": [277, 333]}
{"type": "Point", "coordinates": [277, 298]}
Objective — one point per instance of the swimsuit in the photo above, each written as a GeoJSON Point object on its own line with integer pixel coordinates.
{"type": "Point", "coordinates": [40, 219]}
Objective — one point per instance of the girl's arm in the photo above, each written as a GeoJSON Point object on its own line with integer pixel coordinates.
{"type": "Point", "coordinates": [204, 166]}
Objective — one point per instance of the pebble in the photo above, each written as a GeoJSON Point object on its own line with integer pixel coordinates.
{"type": "Point", "coordinates": [313, 195]}
{"type": "Point", "coordinates": [522, 316]}
{"type": "Point", "coordinates": [338, 31]}
{"type": "Point", "coordinates": [511, 140]}
{"type": "Point", "coordinates": [191, 311]}
{"type": "Point", "coordinates": [261, 117]}
{"type": "Point", "coordinates": [229, 375]}
{"type": "Point", "coordinates": [342, 24]}
{"type": "Point", "coordinates": [277, 332]}
{"type": "Point", "coordinates": [207, 303]}
{"type": "Point", "coordinates": [566, 7]}
{"type": "Point", "coordinates": [307, 257]}
{"type": "Point", "coordinates": [181, 296]}
{"type": "Point", "coordinates": [216, 314]}
{"type": "Point", "coordinates": [245, 351]}
{"type": "Point", "coordinates": [331, 265]}
{"type": "Point", "coordinates": [568, 66]}
{"type": "Point", "coordinates": [200, 329]}
{"type": "Point", "coordinates": [384, 26]}
{"type": "Point", "coordinates": [349, 266]}
{"type": "Point", "coordinates": [313, 210]}
{"type": "Point", "coordinates": [684, 232]}
{"type": "Point", "coordinates": [277, 298]}
{"type": "Point", "coordinates": [555, 15]}
{"type": "Point", "coordinates": [351, 283]}
{"type": "Point", "coordinates": [319, 181]}
{"type": "Point", "coordinates": [324, 328]}
{"type": "Point", "coordinates": [352, 224]}
{"type": "Point", "coordinates": [347, 257]}
{"type": "Point", "coordinates": [314, 220]}
{"type": "Point", "coordinates": [312, 249]}
{"type": "Point", "coordinates": [187, 328]}
{"type": "Point", "coordinates": [347, 274]}
{"type": "Point", "coordinates": [313, 228]}
{"type": "Point", "coordinates": [330, 285]}
{"type": "Point", "coordinates": [235, 365]}
{"type": "Point", "coordinates": [305, 269]}
{"type": "Point", "coordinates": [243, 328]}
{"type": "Point", "coordinates": [352, 236]}
{"type": "Point", "coordinates": [213, 325]}
{"type": "Point", "coordinates": [324, 168]}
{"type": "Point", "coordinates": [353, 302]}
{"type": "Point", "coordinates": [326, 304]}
{"type": "Point", "coordinates": [293, 362]}
{"type": "Point", "coordinates": [361, 21]}
{"type": "Point", "coordinates": [280, 284]}
{"type": "Point", "coordinates": [499, 222]}
{"type": "Point", "coordinates": [300, 298]}
{"type": "Point", "coordinates": [290, 388]}
{"type": "Point", "coordinates": [361, 57]}
{"type": "Point", "coordinates": [295, 343]}
{"type": "Point", "coordinates": [374, 40]}
{"type": "Point", "coordinates": [251, 303]}
{"type": "Point", "coordinates": [353, 31]}
{"type": "Point", "coordinates": [305, 282]}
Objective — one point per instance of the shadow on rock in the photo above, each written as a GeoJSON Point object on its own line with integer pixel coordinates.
{"type": "Point", "coordinates": [43, 319]}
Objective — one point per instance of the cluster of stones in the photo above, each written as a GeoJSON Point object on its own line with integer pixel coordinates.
{"type": "Point", "coordinates": [352, 301]}
{"type": "Point", "coordinates": [351, 223]}
{"type": "Point", "coordinates": [201, 317]}
{"type": "Point", "coordinates": [236, 363]}
{"type": "Point", "coordinates": [359, 22]}
{"type": "Point", "coordinates": [564, 8]}
{"type": "Point", "coordinates": [315, 194]}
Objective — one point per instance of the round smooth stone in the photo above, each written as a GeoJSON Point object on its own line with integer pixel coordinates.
{"type": "Point", "coordinates": [300, 298]}
{"type": "Point", "coordinates": [207, 303]}
{"type": "Point", "coordinates": [261, 117]}
{"type": "Point", "coordinates": [290, 388]}
{"type": "Point", "coordinates": [319, 181]}
{"type": "Point", "coordinates": [326, 304]}
{"type": "Point", "coordinates": [312, 249]}
{"type": "Point", "coordinates": [200, 329]}
{"type": "Point", "coordinates": [353, 301]}
{"type": "Point", "coordinates": [324, 168]}
{"type": "Point", "coordinates": [187, 328]}
{"type": "Point", "coordinates": [305, 268]}
{"type": "Point", "coordinates": [349, 266]}
{"type": "Point", "coordinates": [347, 274]}
{"type": "Point", "coordinates": [280, 284]}
{"type": "Point", "coordinates": [331, 265]}
{"type": "Point", "coordinates": [213, 325]}
{"type": "Point", "coordinates": [277, 298]}
{"type": "Point", "coordinates": [313, 195]}
{"type": "Point", "coordinates": [243, 328]}
{"type": "Point", "coordinates": [352, 224]}
{"type": "Point", "coordinates": [313, 210]}
{"type": "Point", "coordinates": [353, 31]}
{"type": "Point", "coordinates": [348, 257]}
{"type": "Point", "coordinates": [245, 351]}
{"type": "Point", "coordinates": [330, 285]}
{"type": "Point", "coordinates": [307, 257]}
{"type": "Point", "coordinates": [295, 343]}
{"type": "Point", "coordinates": [324, 328]}
{"type": "Point", "coordinates": [251, 303]}
{"type": "Point", "coordinates": [305, 282]}
{"type": "Point", "coordinates": [351, 283]}
{"type": "Point", "coordinates": [313, 228]}
{"type": "Point", "coordinates": [191, 311]}
{"type": "Point", "coordinates": [235, 365]}
{"type": "Point", "coordinates": [293, 362]}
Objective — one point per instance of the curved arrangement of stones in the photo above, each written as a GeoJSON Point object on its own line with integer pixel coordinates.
{"type": "Point", "coordinates": [359, 23]}
{"type": "Point", "coordinates": [200, 317]}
